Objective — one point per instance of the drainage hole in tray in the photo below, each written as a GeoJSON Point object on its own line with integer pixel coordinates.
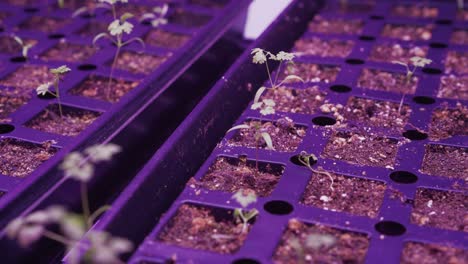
{"type": "Point", "coordinates": [443, 22]}
{"type": "Point", "coordinates": [30, 10]}
{"type": "Point", "coordinates": [46, 96]}
{"type": "Point", "coordinates": [18, 59]}
{"type": "Point", "coordinates": [245, 261]}
{"type": "Point", "coordinates": [404, 177]}
{"type": "Point", "coordinates": [354, 61]}
{"type": "Point", "coordinates": [278, 207]}
{"type": "Point", "coordinates": [426, 100]}
{"type": "Point", "coordinates": [295, 160]}
{"type": "Point", "coordinates": [6, 128]}
{"type": "Point", "coordinates": [431, 71]}
{"type": "Point", "coordinates": [367, 38]}
{"type": "Point", "coordinates": [340, 88]}
{"type": "Point", "coordinates": [438, 45]}
{"type": "Point", "coordinates": [1, 29]}
{"type": "Point", "coordinates": [56, 36]}
{"type": "Point", "coordinates": [87, 67]}
{"type": "Point", "coordinates": [323, 121]}
{"type": "Point", "coordinates": [376, 17]}
{"type": "Point", "coordinates": [390, 228]}
{"type": "Point", "coordinates": [414, 135]}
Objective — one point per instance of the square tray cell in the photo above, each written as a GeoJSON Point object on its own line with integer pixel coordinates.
{"type": "Point", "coordinates": [361, 149]}
{"type": "Point", "coordinates": [27, 78]}
{"type": "Point", "coordinates": [10, 101]}
{"type": "Point", "coordinates": [300, 101]}
{"type": "Point", "coordinates": [408, 32]}
{"type": "Point", "coordinates": [232, 174]}
{"type": "Point", "coordinates": [416, 253]}
{"type": "Point", "coordinates": [453, 87]}
{"type": "Point", "coordinates": [43, 24]}
{"type": "Point", "coordinates": [459, 37]}
{"type": "Point", "coordinates": [285, 135]}
{"type": "Point", "coordinates": [447, 122]}
{"type": "Point", "coordinates": [415, 11]}
{"type": "Point", "coordinates": [97, 87]}
{"type": "Point", "coordinates": [387, 81]}
{"type": "Point", "coordinates": [68, 52]}
{"type": "Point", "coordinates": [166, 39]}
{"type": "Point", "coordinates": [336, 25]}
{"type": "Point", "coordinates": [440, 209]}
{"type": "Point", "coordinates": [311, 72]}
{"type": "Point", "coordinates": [305, 243]}
{"type": "Point", "coordinates": [446, 161]}
{"type": "Point", "coordinates": [377, 113]}
{"type": "Point", "coordinates": [324, 47]}
{"type": "Point", "coordinates": [92, 29]}
{"type": "Point", "coordinates": [204, 228]}
{"type": "Point", "coordinates": [188, 19]}
{"type": "Point", "coordinates": [138, 63]}
{"type": "Point", "coordinates": [74, 120]}
{"type": "Point", "coordinates": [352, 195]}
{"type": "Point", "coordinates": [388, 52]}
{"type": "Point", "coordinates": [456, 62]}
{"type": "Point", "coordinates": [20, 158]}
{"type": "Point", "coordinates": [8, 45]}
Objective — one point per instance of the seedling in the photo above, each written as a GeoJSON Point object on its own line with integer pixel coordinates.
{"type": "Point", "coordinates": [24, 46]}
{"type": "Point", "coordinates": [245, 198]}
{"type": "Point", "coordinates": [308, 159]}
{"type": "Point", "coordinates": [90, 8]}
{"type": "Point", "coordinates": [157, 17]}
{"type": "Point", "coordinates": [416, 62]}
{"type": "Point", "coordinates": [313, 242]}
{"type": "Point", "coordinates": [45, 88]}
{"type": "Point", "coordinates": [103, 248]}
{"type": "Point", "coordinates": [117, 28]}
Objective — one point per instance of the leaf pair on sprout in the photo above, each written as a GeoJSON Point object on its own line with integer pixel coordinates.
{"type": "Point", "coordinates": [24, 46]}
{"type": "Point", "coordinates": [44, 88]}
{"type": "Point", "coordinates": [157, 17]}
{"type": "Point", "coordinates": [416, 62]}
{"type": "Point", "coordinates": [308, 160]}
{"type": "Point", "coordinates": [245, 198]}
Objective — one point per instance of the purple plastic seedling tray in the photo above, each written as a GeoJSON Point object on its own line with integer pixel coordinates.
{"type": "Point", "coordinates": [18, 193]}
{"type": "Point", "coordinates": [147, 205]}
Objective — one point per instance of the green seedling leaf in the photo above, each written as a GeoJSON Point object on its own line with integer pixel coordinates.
{"type": "Point", "coordinates": [243, 126]}
{"type": "Point", "coordinates": [244, 198]}
{"type": "Point", "coordinates": [268, 140]}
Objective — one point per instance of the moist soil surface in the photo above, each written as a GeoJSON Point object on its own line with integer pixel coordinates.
{"type": "Point", "coordinates": [348, 247]}
{"type": "Point", "coordinates": [448, 122]}
{"type": "Point", "coordinates": [204, 228]}
{"type": "Point", "coordinates": [10, 101]}
{"type": "Point", "coordinates": [138, 63]}
{"type": "Point", "coordinates": [350, 194]}
{"type": "Point", "coordinates": [134, 9]}
{"type": "Point", "coordinates": [362, 150]}
{"type": "Point", "coordinates": [387, 81]}
{"type": "Point", "coordinates": [459, 37]}
{"type": "Point", "coordinates": [231, 175]}
{"type": "Point", "coordinates": [446, 161]}
{"type": "Point", "coordinates": [453, 87]}
{"type": "Point", "coordinates": [73, 122]}
{"type": "Point", "coordinates": [285, 135]}
{"type": "Point", "coordinates": [324, 48]}
{"type": "Point", "coordinates": [456, 62]}
{"type": "Point", "coordinates": [407, 32]}
{"type": "Point", "coordinates": [96, 87]}
{"type": "Point", "coordinates": [161, 38]}
{"type": "Point", "coordinates": [20, 158]}
{"type": "Point", "coordinates": [27, 78]}
{"type": "Point", "coordinates": [188, 19]}
{"type": "Point", "coordinates": [462, 14]}
{"type": "Point", "coordinates": [395, 52]}
{"type": "Point", "coordinates": [355, 7]}
{"type": "Point", "coordinates": [310, 72]}
{"type": "Point", "coordinates": [440, 209]}
{"type": "Point", "coordinates": [416, 11]}
{"type": "Point", "coordinates": [417, 253]}
{"type": "Point", "coordinates": [92, 29]}
{"type": "Point", "coordinates": [43, 24]}
{"type": "Point", "coordinates": [336, 25]}
{"type": "Point", "coordinates": [68, 52]}
{"type": "Point", "coordinates": [379, 114]}
{"type": "Point", "coordinates": [300, 101]}
{"type": "Point", "coordinates": [8, 45]}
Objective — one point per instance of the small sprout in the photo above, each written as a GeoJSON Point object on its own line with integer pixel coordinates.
{"type": "Point", "coordinates": [158, 17]}
{"type": "Point", "coordinates": [245, 198]}
{"type": "Point", "coordinates": [61, 3]}
{"type": "Point", "coordinates": [308, 159]}
{"type": "Point", "coordinates": [316, 241]}
{"type": "Point", "coordinates": [416, 62]}
{"type": "Point", "coordinates": [24, 46]}
{"type": "Point", "coordinates": [45, 87]}
{"type": "Point", "coordinates": [266, 106]}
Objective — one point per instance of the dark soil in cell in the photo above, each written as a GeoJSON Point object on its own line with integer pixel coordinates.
{"type": "Point", "coordinates": [416, 253]}
{"type": "Point", "coordinates": [300, 101]}
{"type": "Point", "coordinates": [161, 38]}
{"type": "Point", "coordinates": [10, 101]}
{"type": "Point", "coordinates": [387, 81]}
{"type": "Point", "coordinates": [75, 4]}
{"type": "Point", "coordinates": [347, 246]}
{"type": "Point", "coordinates": [26, 2]}
{"type": "Point", "coordinates": [68, 52]}
{"type": "Point", "coordinates": [460, 37]}
{"type": "Point", "coordinates": [20, 158]}
{"type": "Point", "coordinates": [96, 87]}
{"type": "Point", "coordinates": [456, 62]}
{"type": "Point", "coordinates": [336, 25]}
{"type": "Point", "coordinates": [440, 209]}
{"type": "Point", "coordinates": [356, 7]}
{"type": "Point", "coordinates": [3, 16]}
{"type": "Point", "coordinates": [285, 135]}
{"type": "Point", "coordinates": [188, 19]}
{"type": "Point", "coordinates": [416, 11]}
{"type": "Point", "coordinates": [453, 87]}
{"type": "Point", "coordinates": [448, 122]}
{"type": "Point", "coordinates": [446, 161]}
{"type": "Point", "coordinates": [27, 78]}
{"type": "Point", "coordinates": [324, 48]}
{"type": "Point", "coordinates": [462, 14]}
{"type": "Point", "coordinates": [395, 52]}
{"type": "Point", "coordinates": [138, 63]}
{"type": "Point", "coordinates": [43, 24]}
{"type": "Point", "coordinates": [204, 228]}
{"type": "Point", "coordinates": [231, 175]}
{"type": "Point", "coordinates": [349, 194]}
{"type": "Point", "coordinates": [136, 10]}
{"type": "Point", "coordinates": [210, 3]}
{"type": "Point", "coordinates": [312, 72]}
{"type": "Point", "coordinates": [9, 46]}
{"type": "Point", "coordinates": [408, 32]}
{"type": "Point", "coordinates": [74, 120]}
{"type": "Point", "coordinates": [380, 114]}
{"type": "Point", "coordinates": [92, 29]}
{"type": "Point", "coordinates": [363, 150]}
